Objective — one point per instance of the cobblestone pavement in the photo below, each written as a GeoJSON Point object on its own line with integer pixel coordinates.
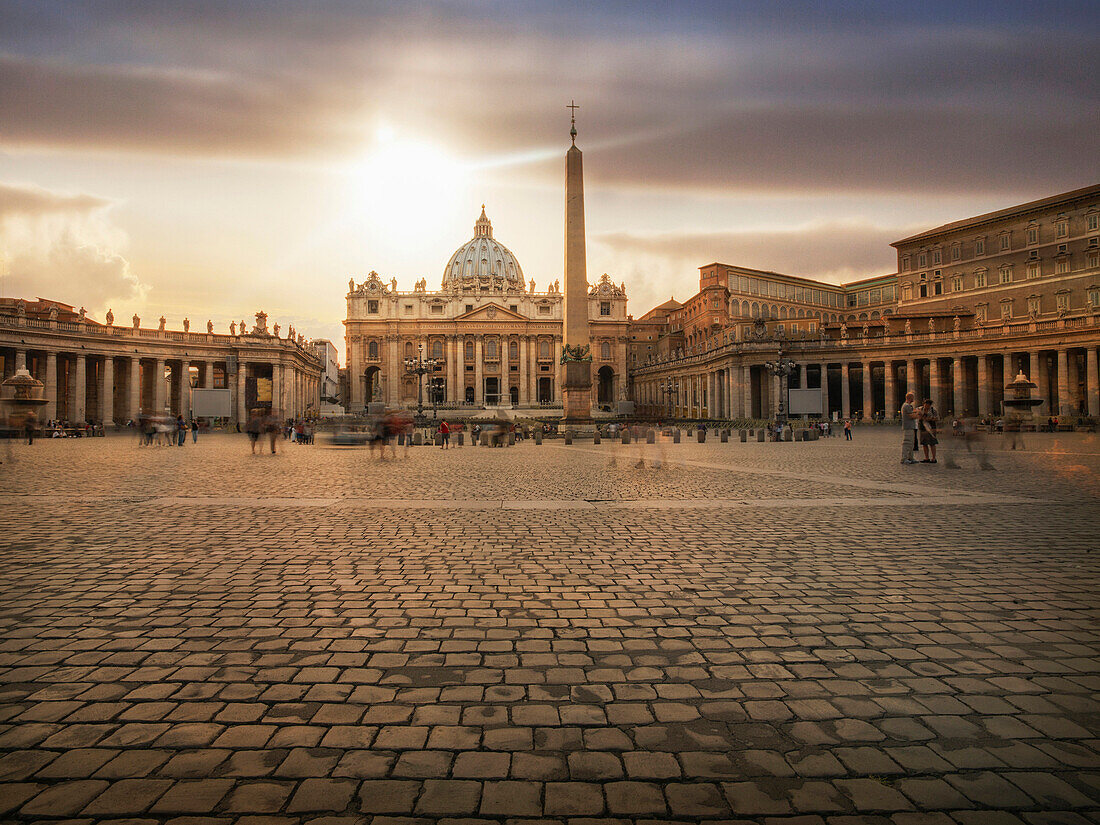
{"type": "Point", "coordinates": [795, 633]}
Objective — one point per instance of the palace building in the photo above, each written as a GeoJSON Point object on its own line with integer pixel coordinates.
{"type": "Point", "coordinates": [497, 340]}
{"type": "Point", "coordinates": [972, 304]}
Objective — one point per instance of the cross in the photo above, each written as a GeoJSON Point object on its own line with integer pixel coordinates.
{"type": "Point", "coordinates": [573, 120]}
{"type": "Point", "coordinates": [574, 107]}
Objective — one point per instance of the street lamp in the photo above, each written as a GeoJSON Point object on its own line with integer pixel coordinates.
{"type": "Point", "coordinates": [781, 368]}
{"type": "Point", "coordinates": [420, 366]}
{"type": "Point", "coordinates": [668, 388]}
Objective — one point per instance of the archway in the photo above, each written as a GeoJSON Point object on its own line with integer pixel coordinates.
{"type": "Point", "coordinates": [546, 390]}
{"type": "Point", "coordinates": [372, 388]}
{"type": "Point", "coordinates": [469, 395]}
{"type": "Point", "coordinates": [513, 396]}
{"type": "Point", "coordinates": [492, 391]}
{"type": "Point", "coordinates": [605, 390]}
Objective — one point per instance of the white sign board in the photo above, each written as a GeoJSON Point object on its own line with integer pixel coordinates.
{"type": "Point", "coordinates": [211, 403]}
{"type": "Point", "coordinates": [804, 402]}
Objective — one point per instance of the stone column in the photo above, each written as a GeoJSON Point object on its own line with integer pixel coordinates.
{"type": "Point", "coordinates": [890, 386]}
{"type": "Point", "coordinates": [985, 385]}
{"type": "Point", "coordinates": [107, 392]}
{"type": "Point", "coordinates": [158, 387]}
{"type": "Point", "coordinates": [185, 390]}
{"type": "Point", "coordinates": [479, 371]}
{"type": "Point", "coordinates": [1092, 380]}
{"type": "Point", "coordinates": [393, 371]}
{"type": "Point", "coordinates": [1033, 370]}
{"type": "Point", "coordinates": [460, 369]}
{"type": "Point", "coordinates": [49, 411]}
{"type": "Point", "coordinates": [20, 359]}
{"type": "Point", "coordinates": [868, 391]}
{"type": "Point", "coordinates": [845, 390]}
{"type": "Point", "coordinates": [277, 390]}
{"type": "Point", "coordinates": [958, 383]}
{"type": "Point", "coordinates": [911, 378]}
{"type": "Point", "coordinates": [559, 372]}
{"type": "Point", "coordinates": [825, 390]}
{"type": "Point", "coordinates": [1008, 370]}
{"type": "Point", "coordinates": [1064, 406]}
{"type": "Point", "coordinates": [524, 397]}
{"type": "Point", "coordinates": [134, 396]}
{"type": "Point", "coordinates": [935, 384]}
{"type": "Point", "coordinates": [77, 411]}
{"type": "Point", "coordinates": [242, 407]}
{"type": "Point", "coordinates": [208, 378]}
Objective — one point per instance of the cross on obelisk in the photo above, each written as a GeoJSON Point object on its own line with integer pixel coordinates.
{"type": "Point", "coordinates": [573, 120]}
{"type": "Point", "coordinates": [576, 355]}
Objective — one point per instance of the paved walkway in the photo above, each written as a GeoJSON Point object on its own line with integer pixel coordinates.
{"type": "Point", "coordinates": [803, 633]}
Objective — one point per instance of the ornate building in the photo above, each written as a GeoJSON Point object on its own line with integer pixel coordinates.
{"type": "Point", "coordinates": [972, 303]}
{"type": "Point", "coordinates": [496, 339]}
{"type": "Point", "coordinates": [105, 373]}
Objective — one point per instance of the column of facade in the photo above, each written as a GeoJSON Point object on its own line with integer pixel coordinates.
{"type": "Point", "coordinates": [133, 396]}
{"type": "Point", "coordinates": [1064, 407]}
{"type": "Point", "coordinates": [1008, 370]}
{"type": "Point", "coordinates": [107, 391]}
{"type": "Point", "coordinates": [935, 384]}
{"type": "Point", "coordinates": [825, 390]}
{"type": "Point", "coordinates": [985, 385]}
{"type": "Point", "coordinates": [479, 372]}
{"type": "Point", "coordinates": [891, 389]}
{"type": "Point", "coordinates": [49, 411]}
{"type": "Point", "coordinates": [524, 394]}
{"type": "Point", "coordinates": [958, 386]}
{"type": "Point", "coordinates": [79, 389]}
{"type": "Point", "coordinates": [868, 391]}
{"type": "Point", "coordinates": [911, 377]}
{"type": "Point", "coordinates": [392, 371]}
{"type": "Point", "coordinates": [555, 353]}
{"type": "Point", "coordinates": [185, 390]}
{"type": "Point", "coordinates": [845, 390]}
{"type": "Point", "coordinates": [277, 389]}
{"type": "Point", "coordinates": [1033, 368]}
{"type": "Point", "coordinates": [20, 359]}
{"type": "Point", "coordinates": [1092, 381]}
{"type": "Point", "coordinates": [208, 378]}
{"type": "Point", "coordinates": [460, 369]}
{"type": "Point", "coordinates": [242, 408]}
{"type": "Point", "coordinates": [158, 387]}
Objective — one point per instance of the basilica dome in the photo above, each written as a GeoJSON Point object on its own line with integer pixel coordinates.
{"type": "Point", "coordinates": [483, 260]}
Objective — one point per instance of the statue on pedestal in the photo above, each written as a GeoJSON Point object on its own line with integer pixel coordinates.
{"type": "Point", "coordinates": [957, 323]}
{"type": "Point", "coordinates": [110, 318]}
{"type": "Point", "coordinates": [163, 321]}
{"type": "Point", "coordinates": [351, 285]}
{"type": "Point", "coordinates": [232, 327]}
{"type": "Point", "coordinates": [275, 330]}
{"type": "Point", "coordinates": [186, 325]}
{"type": "Point", "coordinates": [53, 312]}
{"type": "Point", "coordinates": [932, 325]}
{"type": "Point", "coordinates": [908, 327]}
{"type": "Point", "coordinates": [210, 326]}
{"type": "Point", "coordinates": [83, 313]}
{"type": "Point", "coordinates": [136, 320]}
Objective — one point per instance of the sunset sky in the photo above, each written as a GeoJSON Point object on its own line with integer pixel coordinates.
{"type": "Point", "coordinates": [210, 159]}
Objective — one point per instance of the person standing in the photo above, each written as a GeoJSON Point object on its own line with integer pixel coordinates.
{"type": "Point", "coordinates": [847, 429]}
{"type": "Point", "coordinates": [908, 429]}
{"type": "Point", "coordinates": [444, 435]}
{"type": "Point", "coordinates": [194, 431]}
{"type": "Point", "coordinates": [30, 424]}
{"type": "Point", "coordinates": [253, 429]}
{"type": "Point", "coordinates": [929, 426]}
{"type": "Point", "coordinates": [181, 430]}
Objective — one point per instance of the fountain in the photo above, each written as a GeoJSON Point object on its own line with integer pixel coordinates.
{"type": "Point", "coordinates": [20, 395]}
{"type": "Point", "coordinates": [1018, 403]}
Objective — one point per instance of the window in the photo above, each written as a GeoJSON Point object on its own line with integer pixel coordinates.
{"type": "Point", "coordinates": [1061, 228]}
{"type": "Point", "coordinates": [957, 284]}
{"type": "Point", "coordinates": [981, 312]}
{"type": "Point", "coordinates": [979, 246]}
{"type": "Point", "coordinates": [905, 262]}
{"type": "Point", "coordinates": [513, 350]}
{"type": "Point", "coordinates": [469, 350]}
{"type": "Point", "coordinates": [372, 307]}
{"type": "Point", "coordinates": [410, 350]}
{"type": "Point", "coordinates": [922, 289]}
{"type": "Point", "coordinates": [372, 350]}
{"type": "Point", "coordinates": [544, 349]}
{"type": "Point", "coordinates": [1094, 242]}
{"type": "Point", "coordinates": [1006, 274]}
{"type": "Point", "coordinates": [514, 308]}
{"type": "Point", "coordinates": [1092, 221]}
{"type": "Point", "coordinates": [1061, 266]}
{"type": "Point", "coordinates": [1063, 248]}
{"type": "Point", "coordinates": [1033, 269]}
{"type": "Point", "coordinates": [408, 309]}
{"type": "Point", "coordinates": [491, 348]}
{"type": "Point", "coordinates": [1006, 310]}
{"type": "Point", "coordinates": [1063, 301]}
{"type": "Point", "coordinates": [937, 256]}
{"type": "Point", "coordinates": [922, 260]}
{"type": "Point", "coordinates": [979, 278]}
{"type": "Point", "coordinates": [1094, 260]}
{"type": "Point", "coordinates": [605, 307]}
{"type": "Point", "coordinates": [469, 307]}
{"type": "Point", "coordinates": [1032, 235]}
{"type": "Point", "coordinates": [437, 309]}
{"type": "Point", "coordinates": [544, 309]}
{"type": "Point", "coordinates": [605, 351]}
{"type": "Point", "coordinates": [956, 252]}
{"type": "Point", "coordinates": [1006, 241]}
{"type": "Point", "coordinates": [937, 287]}
{"type": "Point", "coordinates": [437, 349]}
{"type": "Point", "coordinates": [1033, 306]}
{"type": "Point", "coordinates": [906, 291]}
{"type": "Point", "coordinates": [1094, 298]}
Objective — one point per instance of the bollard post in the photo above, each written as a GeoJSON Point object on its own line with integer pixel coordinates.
{"type": "Point", "coordinates": [650, 437]}
{"type": "Point", "coordinates": [725, 436]}
{"type": "Point", "coordinates": [538, 437]}
{"type": "Point", "coordinates": [788, 434]}
{"type": "Point", "coordinates": [461, 438]}
{"type": "Point", "coordinates": [626, 437]}
{"type": "Point", "coordinates": [400, 439]}
{"type": "Point", "coordinates": [701, 436]}
{"type": "Point", "coordinates": [676, 436]}
{"type": "Point", "coordinates": [418, 440]}
{"type": "Point", "coordinates": [760, 435]}
{"type": "Point", "coordinates": [568, 436]}
{"type": "Point", "coordinates": [437, 439]}
{"type": "Point", "coordinates": [511, 439]}
{"type": "Point", "coordinates": [744, 436]}
{"type": "Point", "coordinates": [596, 437]}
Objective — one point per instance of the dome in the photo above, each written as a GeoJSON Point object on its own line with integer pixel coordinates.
{"type": "Point", "coordinates": [483, 260]}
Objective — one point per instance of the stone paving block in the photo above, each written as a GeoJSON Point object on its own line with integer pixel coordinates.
{"type": "Point", "coordinates": [695, 800]}
{"type": "Point", "coordinates": [573, 799]}
{"type": "Point", "coordinates": [315, 794]}
{"type": "Point", "coordinates": [127, 796]}
{"type": "Point", "coordinates": [193, 797]}
{"type": "Point", "coordinates": [990, 790]}
{"type": "Point", "coordinates": [634, 798]}
{"type": "Point", "coordinates": [753, 799]}
{"type": "Point", "coordinates": [258, 797]}
{"type": "Point", "coordinates": [511, 798]}
{"type": "Point", "coordinates": [16, 793]}
{"type": "Point", "coordinates": [450, 797]}
{"type": "Point", "coordinates": [871, 795]}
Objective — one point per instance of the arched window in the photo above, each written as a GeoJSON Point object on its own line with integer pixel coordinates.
{"type": "Point", "coordinates": [372, 349]}
{"type": "Point", "coordinates": [755, 310]}
{"type": "Point", "coordinates": [437, 349]}
{"type": "Point", "coordinates": [469, 350]}
{"type": "Point", "coordinates": [469, 268]}
{"type": "Point", "coordinates": [491, 348]}
{"type": "Point", "coordinates": [544, 349]}
{"type": "Point", "coordinates": [410, 350]}
{"type": "Point", "coordinates": [605, 351]}
{"type": "Point", "coordinates": [783, 313]}
{"type": "Point", "coordinates": [513, 350]}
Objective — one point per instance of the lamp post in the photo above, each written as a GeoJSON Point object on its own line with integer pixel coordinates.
{"type": "Point", "coordinates": [781, 368]}
{"type": "Point", "coordinates": [668, 388]}
{"type": "Point", "coordinates": [420, 366]}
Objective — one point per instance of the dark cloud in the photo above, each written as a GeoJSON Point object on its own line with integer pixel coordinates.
{"type": "Point", "coordinates": [34, 201]}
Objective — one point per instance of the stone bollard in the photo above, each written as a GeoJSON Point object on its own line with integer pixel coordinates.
{"type": "Point", "coordinates": [511, 439]}
{"type": "Point", "coordinates": [596, 437]}
{"type": "Point", "coordinates": [650, 437]}
{"type": "Point", "coordinates": [418, 440]}
{"type": "Point", "coordinates": [400, 439]}
{"type": "Point", "coordinates": [568, 436]}
{"type": "Point", "coordinates": [626, 437]}
{"type": "Point", "coordinates": [725, 437]}
{"type": "Point", "coordinates": [760, 435]}
{"type": "Point", "coordinates": [815, 434]}
{"type": "Point", "coordinates": [744, 436]}
{"type": "Point", "coordinates": [788, 434]}
{"type": "Point", "coordinates": [701, 436]}
{"type": "Point", "coordinates": [538, 438]}
{"type": "Point", "coordinates": [461, 438]}
{"type": "Point", "coordinates": [676, 436]}
{"type": "Point", "coordinates": [437, 439]}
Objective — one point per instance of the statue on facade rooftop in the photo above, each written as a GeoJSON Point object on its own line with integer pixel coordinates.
{"type": "Point", "coordinates": [275, 330]}
{"type": "Point", "coordinates": [163, 321]}
{"type": "Point", "coordinates": [210, 326]}
{"type": "Point", "coordinates": [83, 313]}
{"type": "Point", "coordinates": [186, 324]}
{"type": "Point", "coordinates": [53, 312]}
{"type": "Point", "coordinates": [351, 285]}
{"type": "Point", "coordinates": [232, 327]}
{"type": "Point", "coordinates": [110, 318]}
{"type": "Point", "coordinates": [136, 320]}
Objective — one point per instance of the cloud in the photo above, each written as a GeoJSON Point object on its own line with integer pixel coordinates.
{"type": "Point", "coordinates": [656, 266]}
{"type": "Point", "coordinates": [63, 246]}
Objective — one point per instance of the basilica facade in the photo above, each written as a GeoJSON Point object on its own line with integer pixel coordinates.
{"type": "Point", "coordinates": [493, 338]}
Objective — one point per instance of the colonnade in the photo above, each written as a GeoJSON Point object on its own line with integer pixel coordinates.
{"type": "Point", "coordinates": [959, 384]}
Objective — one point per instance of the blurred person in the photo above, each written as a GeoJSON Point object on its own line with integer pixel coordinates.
{"type": "Point", "coordinates": [444, 435]}
{"type": "Point", "coordinates": [271, 428]}
{"type": "Point", "coordinates": [253, 428]}
{"type": "Point", "coordinates": [929, 426]}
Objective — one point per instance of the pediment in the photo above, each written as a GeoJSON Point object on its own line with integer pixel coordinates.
{"type": "Point", "coordinates": [491, 312]}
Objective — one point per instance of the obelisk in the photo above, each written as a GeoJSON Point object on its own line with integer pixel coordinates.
{"type": "Point", "coordinates": [576, 354]}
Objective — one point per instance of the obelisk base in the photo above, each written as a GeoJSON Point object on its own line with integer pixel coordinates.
{"type": "Point", "coordinates": [576, 392]}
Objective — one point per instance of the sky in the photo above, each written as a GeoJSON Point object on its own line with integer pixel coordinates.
{"type": "Point", "coordinates": [209, 159]}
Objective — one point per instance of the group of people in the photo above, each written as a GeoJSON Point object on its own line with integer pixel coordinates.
{"type": "Point", "coordinates": [164, 430]}
{"type": "Point", "coordinates": [920, 427]}
{"type": "Point", "coordinates": [298, 431]}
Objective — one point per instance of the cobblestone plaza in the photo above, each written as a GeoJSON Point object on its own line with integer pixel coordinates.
{"type": "Point", "coordinates": [799, 633]}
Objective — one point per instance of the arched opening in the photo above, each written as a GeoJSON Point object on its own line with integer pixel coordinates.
{"type": "Point", "coordinates": [469, 348]}
{"type": "Point", "coordinates": [605, 390]}
{"type": "Point", "coordinates": [437, 349]}
{"type": "Point", "coordinates": [513, 396]}
{"type": "Point", "coordinates": [469, 395]}
{"type": "Point", "coordinates": [492, 391]}
{"type": "Point", "coordinates": [513, 350]}
{"type": "Point", "coordinates": [372, 350]}
{"type": "Point", "coordinates": [410, 350]}
{"type": "Point", "coordinates": [544, 349]}
{"type": "Point", "coordinates": [372, 389]}
{"type": "Point", "coordinates": [546, 390]}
